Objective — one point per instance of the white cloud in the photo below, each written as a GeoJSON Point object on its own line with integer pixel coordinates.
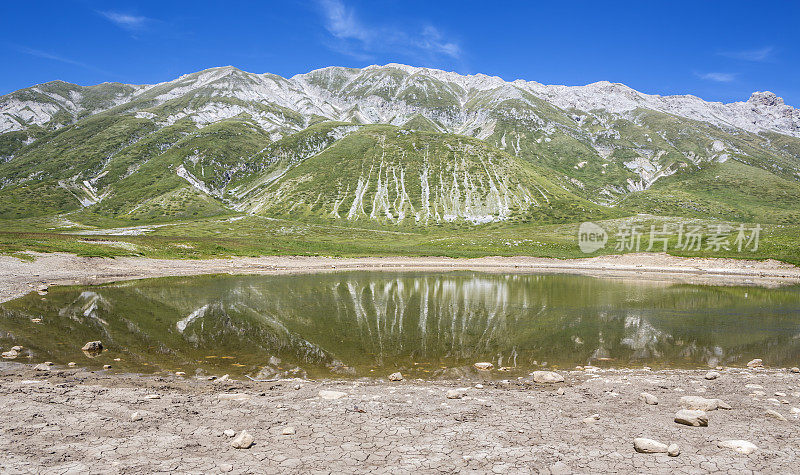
{"type": "Point", "coordinates": [123, 20]}
{"type": "Point", "coordinates": [54, 57]}
{"type": "Point", "coordinates": [354, 38]}
{"type": "Point", "coordinates": [756, 55]}
{"type": "Point", "coordinates": [717, 77]}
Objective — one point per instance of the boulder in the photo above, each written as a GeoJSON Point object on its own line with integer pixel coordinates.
{"type": "Point", "coordinates": [648, 399]}
{"type": "Point", "coordinates": [741, 446]}
{"type": "Point", "coordinates": [242, 441]}
{"type": "Point", "coordinates": [483, 366]}
{"type": "Point", "coordinates": [699, 403]}
{"type": "Point", "coordinates": [711, 375]}
{"type": "Point", "coordinates": [93, 347]}
{"type": "Point", "coordinates": [756, 363]}
{"type": "Point", "coordinates": [396, 376]}
{"type": "Point", "coordinates": [649, 446]}
{"type": "Point", "coordinates": [547, 377]}
{"type": "Point", "coordinates": [691, 418]}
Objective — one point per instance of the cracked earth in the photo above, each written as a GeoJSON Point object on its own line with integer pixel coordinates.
{"type": "Point", "coordinates": [69, 420]}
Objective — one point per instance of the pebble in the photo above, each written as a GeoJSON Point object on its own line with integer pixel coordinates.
{"type": "Point", "coordinates": [242, 441]}
{"type": "Point", "coordinates": [72, 364]}
{"type": "Point", "coordinates": [648, 399]}
{"type": "Point", "coordinates": [180, 373]}
{"type": "Point", "coordinates": [36, 320]}
{"type": "Point", "coordinates": [479, 386]}
{"type": "Point", "coordinates": [711, 375]}
{"type": "Point", "coordinates": [775, 415]}
{"type": "Point", "coordinates": [10, 354]}
{"type": "Point", "coordinates": [483, 366]}
{"type": "Point", "coordinates": [560, 391]}
{"type": "Point", "coordinates": [43, 366]}
{"type": "Point", "coordinates": [754, 386]}
{"type": "Point", "coordinates": [649, 446]}
{"type": "Point", "coordinates": [699, 403]}
{"type": "Point", "coordinates": [331, 395]}
{"type": "Point", "coordinates": [548, 377]}
{"type": "Point", "coordinates": [152, 396]}
{"type": "Point", "coordinates": [136, 417]}
{"type": "Point", "coordinates": [591, 419]}
{"type": "Point", "coordinates": [692, 418]}
{"type": "Point", "coordinates": [229, 432]}
{"type": "Point", "coordinates": [741, 446]}
{"type": "Point", "coordinates": [673, 450]}
{"type": "Point", "coordinates": [457, 393]}
{"type": "Point", "coordinates": [106, 366]}
{"type": "Point", "coordinates": [288, 430]}
{"type": "Point", "coordinates": [396, 376]}
{"type": "Point", "coordinates": [756, 363]}
{"type": "Point", "coordinates": [795, 370]}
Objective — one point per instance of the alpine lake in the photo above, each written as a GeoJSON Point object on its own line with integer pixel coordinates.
{"type": "Point", "coordinates": [424, 324]}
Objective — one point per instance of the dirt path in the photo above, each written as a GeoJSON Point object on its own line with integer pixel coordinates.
{"type": "Point", "coordinates": [17, 277]}
{"type": "Point", "coordinates": [71, 420]}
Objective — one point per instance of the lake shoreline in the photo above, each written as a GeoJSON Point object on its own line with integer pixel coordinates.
{"type": "Point", "coordinates": [19, 277]}
{"type": "Point", "coordinates": [74, 419]}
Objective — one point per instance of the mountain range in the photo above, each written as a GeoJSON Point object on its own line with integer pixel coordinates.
{"type": "Point", "coordinates": [392, 145]}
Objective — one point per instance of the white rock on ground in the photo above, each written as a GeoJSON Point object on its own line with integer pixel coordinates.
{"type": "Point", "coordinates": [649, 446]}
{"type": "Point", "coordinates": [775, 415]}
{"type": "Point", "coordinates": [756, 363]}
{"type": "Point", "coordinates": [457, 393]}
{"type": "Point", "coordinates": [242, 441]}
{"type": "Point", "coordinates": [288, 430]}
{"type": "Point", "coordinates": [711, 375]}
{"type": "Point", "coordinates": [548, 377]}
{"type": "Point", "coordinates": [699, 403]}
{"type": "Point", "coordinates": [673, 450]}
{"type": "Point", "coordinates": [331, 395]}
{"type": "Point", "coordinates": [691, 418]}
{"type": "Point", "coordinates": [648, 399]}
{"type": "Point", "coordinates": [396, 376]}
{"type": "Point", "coordinates": [591, 419]}
{"type": "Point", "coordinates": [136, 417]}
{"type": "Point", "coordinates": [229, 432]}
{"type": "Point", "coordinates": [483, 366]}
{"type": "Point", "coordinates": [741, 446]}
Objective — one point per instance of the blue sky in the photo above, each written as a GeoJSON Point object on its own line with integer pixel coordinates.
{"type": "Point", "coordinates": [716, 50]}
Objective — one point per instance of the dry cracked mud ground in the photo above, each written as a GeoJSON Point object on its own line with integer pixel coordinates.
{"type": "Point", "coordinates": [69, 420]}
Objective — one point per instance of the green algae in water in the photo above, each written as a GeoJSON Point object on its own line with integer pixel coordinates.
{"type": "Point", "coordinates": [423, 324]}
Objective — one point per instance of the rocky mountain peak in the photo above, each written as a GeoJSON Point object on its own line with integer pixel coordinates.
{"type": "Point", "coordinates": [765, 98]}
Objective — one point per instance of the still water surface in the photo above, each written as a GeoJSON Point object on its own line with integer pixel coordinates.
{"type": "Point", "coordinates": [423, 324]}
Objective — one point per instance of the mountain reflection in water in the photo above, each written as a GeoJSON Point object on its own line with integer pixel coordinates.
{"type": "Point", "coordinates": [424, 324]}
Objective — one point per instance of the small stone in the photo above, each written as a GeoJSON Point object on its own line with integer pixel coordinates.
{"type": "Point", "coordinates": [699, 403]}
{"type": "Point", "coordinates": [288, 430]}
{"type": "Point", "coordinates": [36, 320]}
{"type": "Point", "coordinates": [591, 419]}
{"type": "Point", "coordinates": [16, 348]}
{"type": "Point", "coordinates": [795, 411]}
{"type": "Point", "coordinates": [775, 415]}
{"type": "Point", "coordinates": [560, 391]}
{"type": "Point", "coordinates": [180, 373]}
{"type": "Point", "coordinates": [795, 369]}
{"type": "Point", "coordinates": [547, 377]}
{"type": "Point", "coordinates": [673, 450]}
{"type": "Point", "coordinates": [483, 366]}
{"type": "Point", "coordinates": [754, 386]}
{"type": "Point", "coordinates": [136, 417]}
{"type": "Point", "coordinates": [331, 395]}
{"type": "Point", "coordinates": [756, 363]}
{"type": "Point", "coordinates": [10, 354]}
{"type": "Point", "coordinates": [297, 387]}
{"type": "Point", "coordinates": [741, 446]}
{"type": "Point", "coordinates": [396, 376]}
{"type": "Point", "coordinates": [711, 375]}
{"type": "Point", "coordinates": [106, 366]}
{"type": "Point", "coordinates": [649, 446]}
{"type": "Point", "coordinates": [242, 441]}
{"type": "Point", "coordinates": [560, 468]}
{"type": "Point", "coordinates": [691, 418]}
{"type": "Point", "coordinates": [72, 364]}
{"type": "Point", "coordinates": [648, 399]}
{"type": "Point", "coordinates": [479, 386]}
{"type": "Point", "coordinates": [457, 393]}
{"type": "Point", "coordinates": [222, 379]}
{"type": "Point", "coordinates": [274, 361]}
{"type": "Point", "coordinates": [229, 432]}
{"type": "Point", "coordinates": [780, 394]}
{"type": "Point", "coordinates": [93, 347]}
{"type": "Point", "coordinates": [152, 396]}
{"type": "Point", "coordinates": [42, 367]}
{"type": "Point", "coordinates": [117, 359]}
